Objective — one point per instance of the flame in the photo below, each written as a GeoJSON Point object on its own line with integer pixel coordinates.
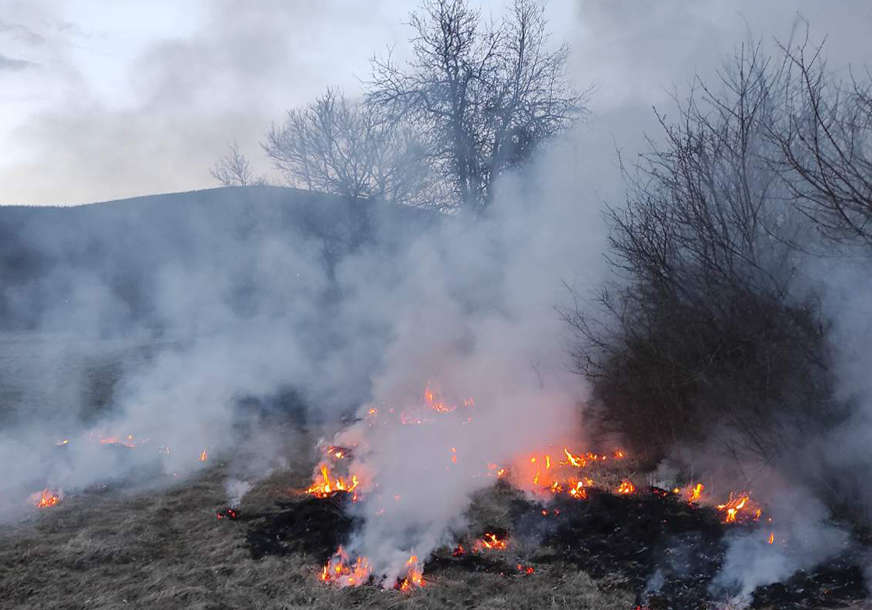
{"type": "Point", "coordinates": [338, 570]}
{"type": "Point", "coordinates": [625, 487]}
{"type": "Point", "coordinates": [414, 575]}
{"type": "Point", "coordinates": [337, 452]}
{"type": "Point", "coordinates": [458, 551]}
{"type": "Point", "coordinates": [66, 441]}
{"type": "Point", "coordinates": [692, 493]}
{"type": "Point", "coordinates": [434, 402]}
{"type": "Point", "coordinates": [490, 542]}
{"type": "Point", "coordinates": [771, 539]}
{"type": "Point", "coordinates": [203, 455]}
{"type": "Point", "coordinates": [525, 569]}
{"type": "Point", "coordinates": [734, 506]}
{"type": "Point", "coordinates": [114, 440]}
{"type": "Point", "coordinates": [324, 485]}
{"type": "Point", "coordinates": [576, 460]}
{"type": "Point", "coordinates": [45, 498]}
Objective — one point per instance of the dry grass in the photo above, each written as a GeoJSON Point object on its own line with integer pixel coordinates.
{"type": "Point", "coordinates": [166, 549]}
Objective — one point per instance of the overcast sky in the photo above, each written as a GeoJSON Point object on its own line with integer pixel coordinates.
{"type": "Point", "coordinates": [101, 100]}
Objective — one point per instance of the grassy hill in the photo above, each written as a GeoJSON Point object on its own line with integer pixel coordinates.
{"type": "Point", "coordinates": [122, 246]}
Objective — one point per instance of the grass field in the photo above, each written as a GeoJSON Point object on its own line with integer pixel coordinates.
{"type": "Point", "coordinates": [119, 548]}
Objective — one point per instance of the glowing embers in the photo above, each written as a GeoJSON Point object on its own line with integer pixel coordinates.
{"type": "Point", "coordinates": [325, 485]}
{"type": "Point", "coordinates": [46, 498]}
{"type": "Point", "coordinates": [626, 487]}
{"type": "Point", "coordinates": [338, 453]}
{"type": "Point", "coordinates": [739, 508]}
{"type": "Point", "coordinates": [438, 404]}
{"type": "Point", "coordinates": [127, 441]}
{"type": "Point", "coordinates": [491, 541]}
{"type": "Point", "coordinates": [227, 513]}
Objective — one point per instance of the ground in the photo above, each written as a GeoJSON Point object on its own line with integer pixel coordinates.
{"type": "Point", "coordinates": [118, 548]}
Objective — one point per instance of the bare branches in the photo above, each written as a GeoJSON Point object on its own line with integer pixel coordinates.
{"type": "Point", "coordinates": [338, 146]}
{"type": "Point", "coordinates": [483, 96]}
{"type": "Point", "coordinates": [825, 144]}
{"type": "Point", "coordinates": [233, 169]}
{"type": "Point", "coordinates": [706, 333]}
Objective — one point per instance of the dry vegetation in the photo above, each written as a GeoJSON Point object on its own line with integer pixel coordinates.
{"type": "Point", "coordinates": [121, 548]}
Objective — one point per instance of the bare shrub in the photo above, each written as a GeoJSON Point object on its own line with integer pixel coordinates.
{"type": "Point", "coordinates": [706, 340]}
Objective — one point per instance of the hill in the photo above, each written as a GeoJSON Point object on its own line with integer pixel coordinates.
{"type": "Point", "coordinates": [123, 246]}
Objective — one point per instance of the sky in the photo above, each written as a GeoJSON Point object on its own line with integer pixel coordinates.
{"type": "Point", "coordinates": [102, 100]}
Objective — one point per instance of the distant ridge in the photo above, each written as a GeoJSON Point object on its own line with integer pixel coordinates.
{"type": "Point", "coordinates": [123, 245]}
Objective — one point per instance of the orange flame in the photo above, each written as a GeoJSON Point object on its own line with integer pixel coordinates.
{"type": "Point", "coordinates": [576, 460]}
{"type": "Point", "coordinates": [324, 485]}
{"type": "Point", "coordinates": [771, 539]}
{"type": "Point", "coordinates": [490, 542]}
{"type": "Point", "coordinates": [114, 440]}
{"type": "Point", "coordinates": [694, 493]}
{"type": "Point", "coordinates": [625, 487]}
{"type": "Point", "coordinates": [203, 455]}
{"type": "Point", "coordinates": [414, 575]}
{"type": "Point", "coordinates": [734, 506]}
{"type": "Point", "coordinates": [45, 498]}
{"type": "Point", "coordinates": [338, 570]}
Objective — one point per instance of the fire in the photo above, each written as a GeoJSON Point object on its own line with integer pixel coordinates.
{"type": "Point", "coordinates": [338, 570]}
{"type": "Point", "coordinates": [414, 575]}
{"type": "Point", "coordinates": [338, 453]}
{"type": "Point", "coordinates": [625, 487]}
{"type": "Point", "coordinates": [45, 498]}
{"type": "Point", "coordinates": [434, 402]}
{"type": "Point", "coordinates": [203, 455]}
{"type": "Point", "coordinates": [324, 485]}
{"type": "Point", "coordinates": [576, 460]}
{"type": "Point", "coordinates": [737, 503]}
{"type": "Point", "coordinates": [114, 440]}
{"type": "Point", "coordinates": [771, 539]}
{"type": "Point", "coordinates": [458, 551]}
{"type": "Point", "coordinates": [692, 493]}
{"type": "Point", "coordinates": [525, 569]}
{"type": "Point", "coordinates": [227, 513]}
{"type": "Point", "coordinates": [578, 491]}
{"type": "Point", "coordinates": [490, 542]}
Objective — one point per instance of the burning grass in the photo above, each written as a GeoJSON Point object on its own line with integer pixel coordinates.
{"type": "Point", "coordinates": [166, 549]}
{"type": "Point", "coordinates": [281, 549]}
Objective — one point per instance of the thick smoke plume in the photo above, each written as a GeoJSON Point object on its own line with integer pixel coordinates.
{"type": "Point", "coordinates": [246, 317]}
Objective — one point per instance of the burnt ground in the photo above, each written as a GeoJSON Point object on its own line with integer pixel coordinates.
{"type": "Point", "coordinates": [129, 548]}
{"type": "Point", "coordinates": [122, 547]}
{"type": "Point", "coordinates": [640, 539]}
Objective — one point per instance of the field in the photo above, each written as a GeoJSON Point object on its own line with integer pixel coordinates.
{"type": "Point", "coordinates": [121, 547]}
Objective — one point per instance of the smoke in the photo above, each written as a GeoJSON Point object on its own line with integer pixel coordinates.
{"type": "Point", "coordinates": [197, 329]}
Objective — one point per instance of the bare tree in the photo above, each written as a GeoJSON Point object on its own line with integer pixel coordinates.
{"type": "Point", "coordinates": [483, 95]}
{"type": "Point", "coordinates": [338, 146]}
{"type": "Point", "coordinates": [234, 169]}
{"type": "Point", "coordinates": [825, 144]}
